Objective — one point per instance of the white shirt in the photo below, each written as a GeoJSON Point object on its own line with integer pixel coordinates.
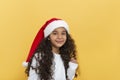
{"type": "Point", "coordinates": [59, 71]}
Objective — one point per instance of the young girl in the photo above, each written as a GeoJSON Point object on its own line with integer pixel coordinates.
{"type": "Point", "coordinates": [52, 54]}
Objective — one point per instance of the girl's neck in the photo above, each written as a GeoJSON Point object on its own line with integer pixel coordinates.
{"type": "Point", "coordinates": [55, 50]}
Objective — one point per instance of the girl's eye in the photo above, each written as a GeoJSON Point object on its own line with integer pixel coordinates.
{"type": "Point", "coordinates": [56, 33]}
{"type": "Point", "coordinates": [64, 33]}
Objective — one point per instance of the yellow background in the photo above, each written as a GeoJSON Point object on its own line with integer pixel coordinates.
{"type": "Point", "coordinates": [94, 24]}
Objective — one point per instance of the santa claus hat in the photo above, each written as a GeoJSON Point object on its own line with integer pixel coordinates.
{"type": "Point", "coordinates": [45, 31]}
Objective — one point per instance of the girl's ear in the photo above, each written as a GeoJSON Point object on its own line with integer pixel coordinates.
{"type": "Point", "coordinates": [48, 38]}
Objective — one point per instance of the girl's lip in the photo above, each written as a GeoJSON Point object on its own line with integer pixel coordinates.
{"type": "Point", "coordinates": [59, 41]}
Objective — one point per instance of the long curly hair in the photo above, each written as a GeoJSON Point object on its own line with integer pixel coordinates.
{"type": "Point", "coordinates": [45, 59]}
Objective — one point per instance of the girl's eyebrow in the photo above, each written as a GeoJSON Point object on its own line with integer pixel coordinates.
{"type": "Point", "coordinates": [64, 31]}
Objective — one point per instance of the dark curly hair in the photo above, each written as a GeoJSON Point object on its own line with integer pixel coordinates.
{"type": "Point", "coordinates": [45, 59]}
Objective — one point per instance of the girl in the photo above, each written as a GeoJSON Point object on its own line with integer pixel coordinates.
{"type": "Point", "coordinates": [52, 54]}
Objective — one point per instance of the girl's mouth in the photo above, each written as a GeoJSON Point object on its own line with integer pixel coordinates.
{"type": "Point", "coordinates": [59, 41]}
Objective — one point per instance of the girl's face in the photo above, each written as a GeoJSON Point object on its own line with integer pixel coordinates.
{"type": "Point", "coordinates": [58, 37]}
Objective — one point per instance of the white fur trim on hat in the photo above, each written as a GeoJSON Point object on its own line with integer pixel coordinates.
{"type": "Point", "coordinates": [55, 24]}
{"type": "Point", "coordinates": [25, 64]}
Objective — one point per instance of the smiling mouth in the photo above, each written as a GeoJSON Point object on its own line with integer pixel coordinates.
{"type": "Point", "coordinates": [59, 41]}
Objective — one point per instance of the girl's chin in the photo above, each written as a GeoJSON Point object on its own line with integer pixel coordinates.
{"type": "Point", "coordinates": [59, 45]}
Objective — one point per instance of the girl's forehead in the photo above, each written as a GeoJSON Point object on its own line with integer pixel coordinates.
{"type": "Point", "coordinates": [60, 29]}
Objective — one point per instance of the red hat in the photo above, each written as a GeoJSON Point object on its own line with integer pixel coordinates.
{"type": "Point", "coordinates": [45, 31]}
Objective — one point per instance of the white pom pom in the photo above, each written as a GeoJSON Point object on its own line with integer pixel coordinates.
{"type": "Point", "coordinates": [25, 64]}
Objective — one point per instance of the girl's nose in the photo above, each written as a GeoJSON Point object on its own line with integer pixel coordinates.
{"type": "Point", "coordinates": [59, 36]}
